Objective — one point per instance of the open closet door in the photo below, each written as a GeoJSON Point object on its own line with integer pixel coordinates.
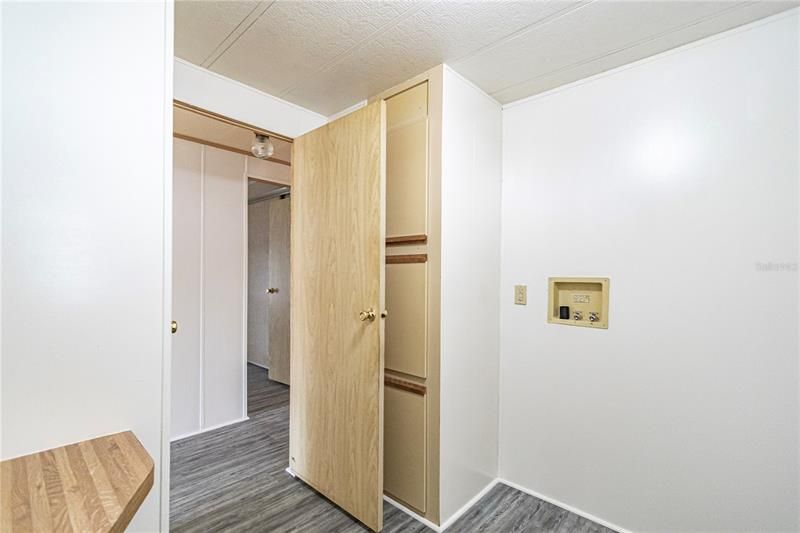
{"type": "Point", "coordinates": [338, 238]}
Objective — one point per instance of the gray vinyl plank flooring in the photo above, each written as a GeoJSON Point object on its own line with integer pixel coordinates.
{"type": "Point", "coordinates": [233, 479]}
{"type": "Point", "coordinates": [508, 510]}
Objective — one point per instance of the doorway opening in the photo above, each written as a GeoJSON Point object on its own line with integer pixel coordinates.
{"type": "Point", "coordinates": [230, 352]}
{"type": "Point", "coordinates": [360, 417]}
{"type": "Point", "coordinates": [268, 273]}
{"type": "Point", "coordinates": [364, 389]}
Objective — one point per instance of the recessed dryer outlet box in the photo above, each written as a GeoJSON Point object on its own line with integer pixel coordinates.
{"type": "Point", "coordinates": [587, 299]}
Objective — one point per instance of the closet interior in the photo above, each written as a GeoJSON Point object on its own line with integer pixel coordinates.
{"type": "Point", "coordinates": [409, 380]}
{"type": "Point", "coordinates": [411, 362]}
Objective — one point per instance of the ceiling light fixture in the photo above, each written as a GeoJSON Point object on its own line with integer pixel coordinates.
{"type": "Point", "coordinates": [262, 147]}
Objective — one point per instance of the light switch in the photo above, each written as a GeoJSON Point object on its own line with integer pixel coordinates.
{"type": "Point", "coordinates": [521, 294]}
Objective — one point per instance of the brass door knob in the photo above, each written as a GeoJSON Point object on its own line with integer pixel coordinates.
{"type": "Point", "coordinates": [369, 314]}
{"type": "Point", "coordinates": [174, 326]}
{"type": "Point", "coordinates": [272, 290]}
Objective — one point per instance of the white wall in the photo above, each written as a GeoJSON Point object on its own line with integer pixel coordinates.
{"type": "Point", "coordinates": [209, 296]}
{"type": "Point", "coordinates": [471, 177]}
{"type": "Point", "coordinates": [676, 177]}
{"type": "Point", "coordinates": [224, 287]}
{"type": "Point", "coordinates": [213, 92]}
{"type": "Point", "coordinates": [85, 172]}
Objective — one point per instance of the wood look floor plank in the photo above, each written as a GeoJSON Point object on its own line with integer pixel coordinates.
{"type": "Point", "coordinates": [505, 509]}
{"type": "Point", "coordinates": [233, 479]}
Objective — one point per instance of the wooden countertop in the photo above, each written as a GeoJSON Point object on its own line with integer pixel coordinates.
{"type": "Point", "coordinates": [94, 485]}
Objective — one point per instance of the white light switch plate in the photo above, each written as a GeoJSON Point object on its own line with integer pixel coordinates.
{"type": "Point", "coordinates": [521, 294]}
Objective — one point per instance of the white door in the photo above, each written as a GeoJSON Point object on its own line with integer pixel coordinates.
{"type": "Point", "coordinates": [209, 250]}
{"type": "Point", "coordinates": [186, 259]}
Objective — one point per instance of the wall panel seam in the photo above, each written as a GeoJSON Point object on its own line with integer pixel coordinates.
{"type": "Point", "coordinates": [202, 376]}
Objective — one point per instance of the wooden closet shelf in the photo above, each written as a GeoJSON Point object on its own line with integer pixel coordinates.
{"type": "Point", "coordinates": [95, 485]}
{"type": "Point", "coordinates": [406, 239]}
{"type": "Point", "coordinates": [405, 385]}
{"type": "Point", "coordinates": [410, 258]}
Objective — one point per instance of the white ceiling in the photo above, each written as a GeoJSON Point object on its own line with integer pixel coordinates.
{"type": "Point", "coordinates": [329, 55]}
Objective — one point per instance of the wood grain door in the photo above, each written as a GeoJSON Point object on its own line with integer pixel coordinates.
{"type": "Point", "coordinates": [278, 301]}
{"type": "Point", "coordinates": [338, 234]}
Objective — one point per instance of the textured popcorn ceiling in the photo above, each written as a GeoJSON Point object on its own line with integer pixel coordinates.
{"type": "Point", "coordinates": [329, 55]}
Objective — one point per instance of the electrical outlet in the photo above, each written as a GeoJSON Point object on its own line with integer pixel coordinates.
{"type": "Point", "coordinates": [521, 294]}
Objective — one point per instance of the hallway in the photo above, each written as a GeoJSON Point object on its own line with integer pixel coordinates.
{"type": "Point", "coordinates": [234, 478]}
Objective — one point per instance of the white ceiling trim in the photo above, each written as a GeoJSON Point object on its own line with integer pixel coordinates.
{"type": "Point", "coordinates": [215, 92]}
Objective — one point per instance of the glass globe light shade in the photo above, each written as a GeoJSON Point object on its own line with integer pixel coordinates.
{"type": "Point", "coordinates": [262, 147]}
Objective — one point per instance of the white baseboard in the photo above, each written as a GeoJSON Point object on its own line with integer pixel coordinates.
{"type": "Point", "coordinates": [412, 514]}
{"type": "Point", "coordinates": [466, 507]}
{"type": "Point", "coordinates": [565, 506]}
{"type": "Point", "coordinates": [259, 365]}
{"type": "Point", "coordinates": [206, 430]}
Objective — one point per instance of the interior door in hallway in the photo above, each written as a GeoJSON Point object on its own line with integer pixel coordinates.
{"type": "Point", "coordinates": [258, 282]}
{"type": "Point", "coordinates": [187, 257]}
{"type": "Point", "coordinates": [338, 235]}
{"type": "Point", "coordinates": [278, 299]}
